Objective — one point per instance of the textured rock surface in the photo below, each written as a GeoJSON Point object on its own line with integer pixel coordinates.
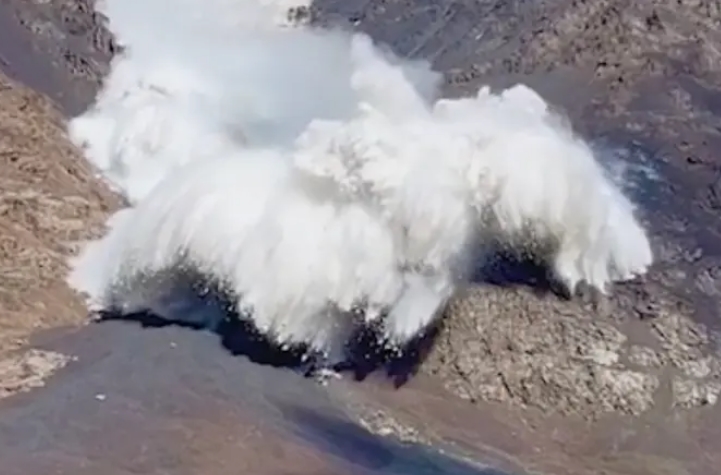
{"type": "Point", "coordinates": [49, 200]}
{"type": "Point", "coordinates": [641, 80]}
{"type": "Point", "coordinates": [513, 346]}
{"type": "Point", "coordinates": [57, 47]}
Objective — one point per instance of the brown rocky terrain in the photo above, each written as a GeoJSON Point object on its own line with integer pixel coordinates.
{"type": "Point", "coordinates": [52, 58]}
{"type": "Point", "coordinates": [49, 201]}
{"type": "Point", "coordinates": [516, 377]}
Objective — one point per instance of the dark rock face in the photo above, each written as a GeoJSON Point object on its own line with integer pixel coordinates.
{"type": "Point", "coordinates": [58, 47]}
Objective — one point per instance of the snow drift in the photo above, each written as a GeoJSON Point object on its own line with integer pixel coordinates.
{"type": "Point", "coordinates": [321, 182]}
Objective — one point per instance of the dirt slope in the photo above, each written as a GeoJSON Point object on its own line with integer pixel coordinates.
{"type": "Point", "coordinates": [49, 200]}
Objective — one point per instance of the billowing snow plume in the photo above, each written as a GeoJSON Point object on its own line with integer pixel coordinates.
{"type": "Point", "coordinates": [321, 182]}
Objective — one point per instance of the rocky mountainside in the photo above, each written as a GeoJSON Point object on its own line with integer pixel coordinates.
{"type": "Point", "coordinates": [629, 385]}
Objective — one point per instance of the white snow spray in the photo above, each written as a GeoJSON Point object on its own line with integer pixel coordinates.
{"type": "Point", "coordinates": [321, 181]}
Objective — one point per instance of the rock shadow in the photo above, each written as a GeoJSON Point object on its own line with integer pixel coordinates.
{"type": "Point", "coordinates": [211, 310]}
{"type": "Point", "coordinates": [502, 268]}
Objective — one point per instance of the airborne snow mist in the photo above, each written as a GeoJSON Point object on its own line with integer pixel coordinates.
{"type": "Point", "coordinates": [321, 181]}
